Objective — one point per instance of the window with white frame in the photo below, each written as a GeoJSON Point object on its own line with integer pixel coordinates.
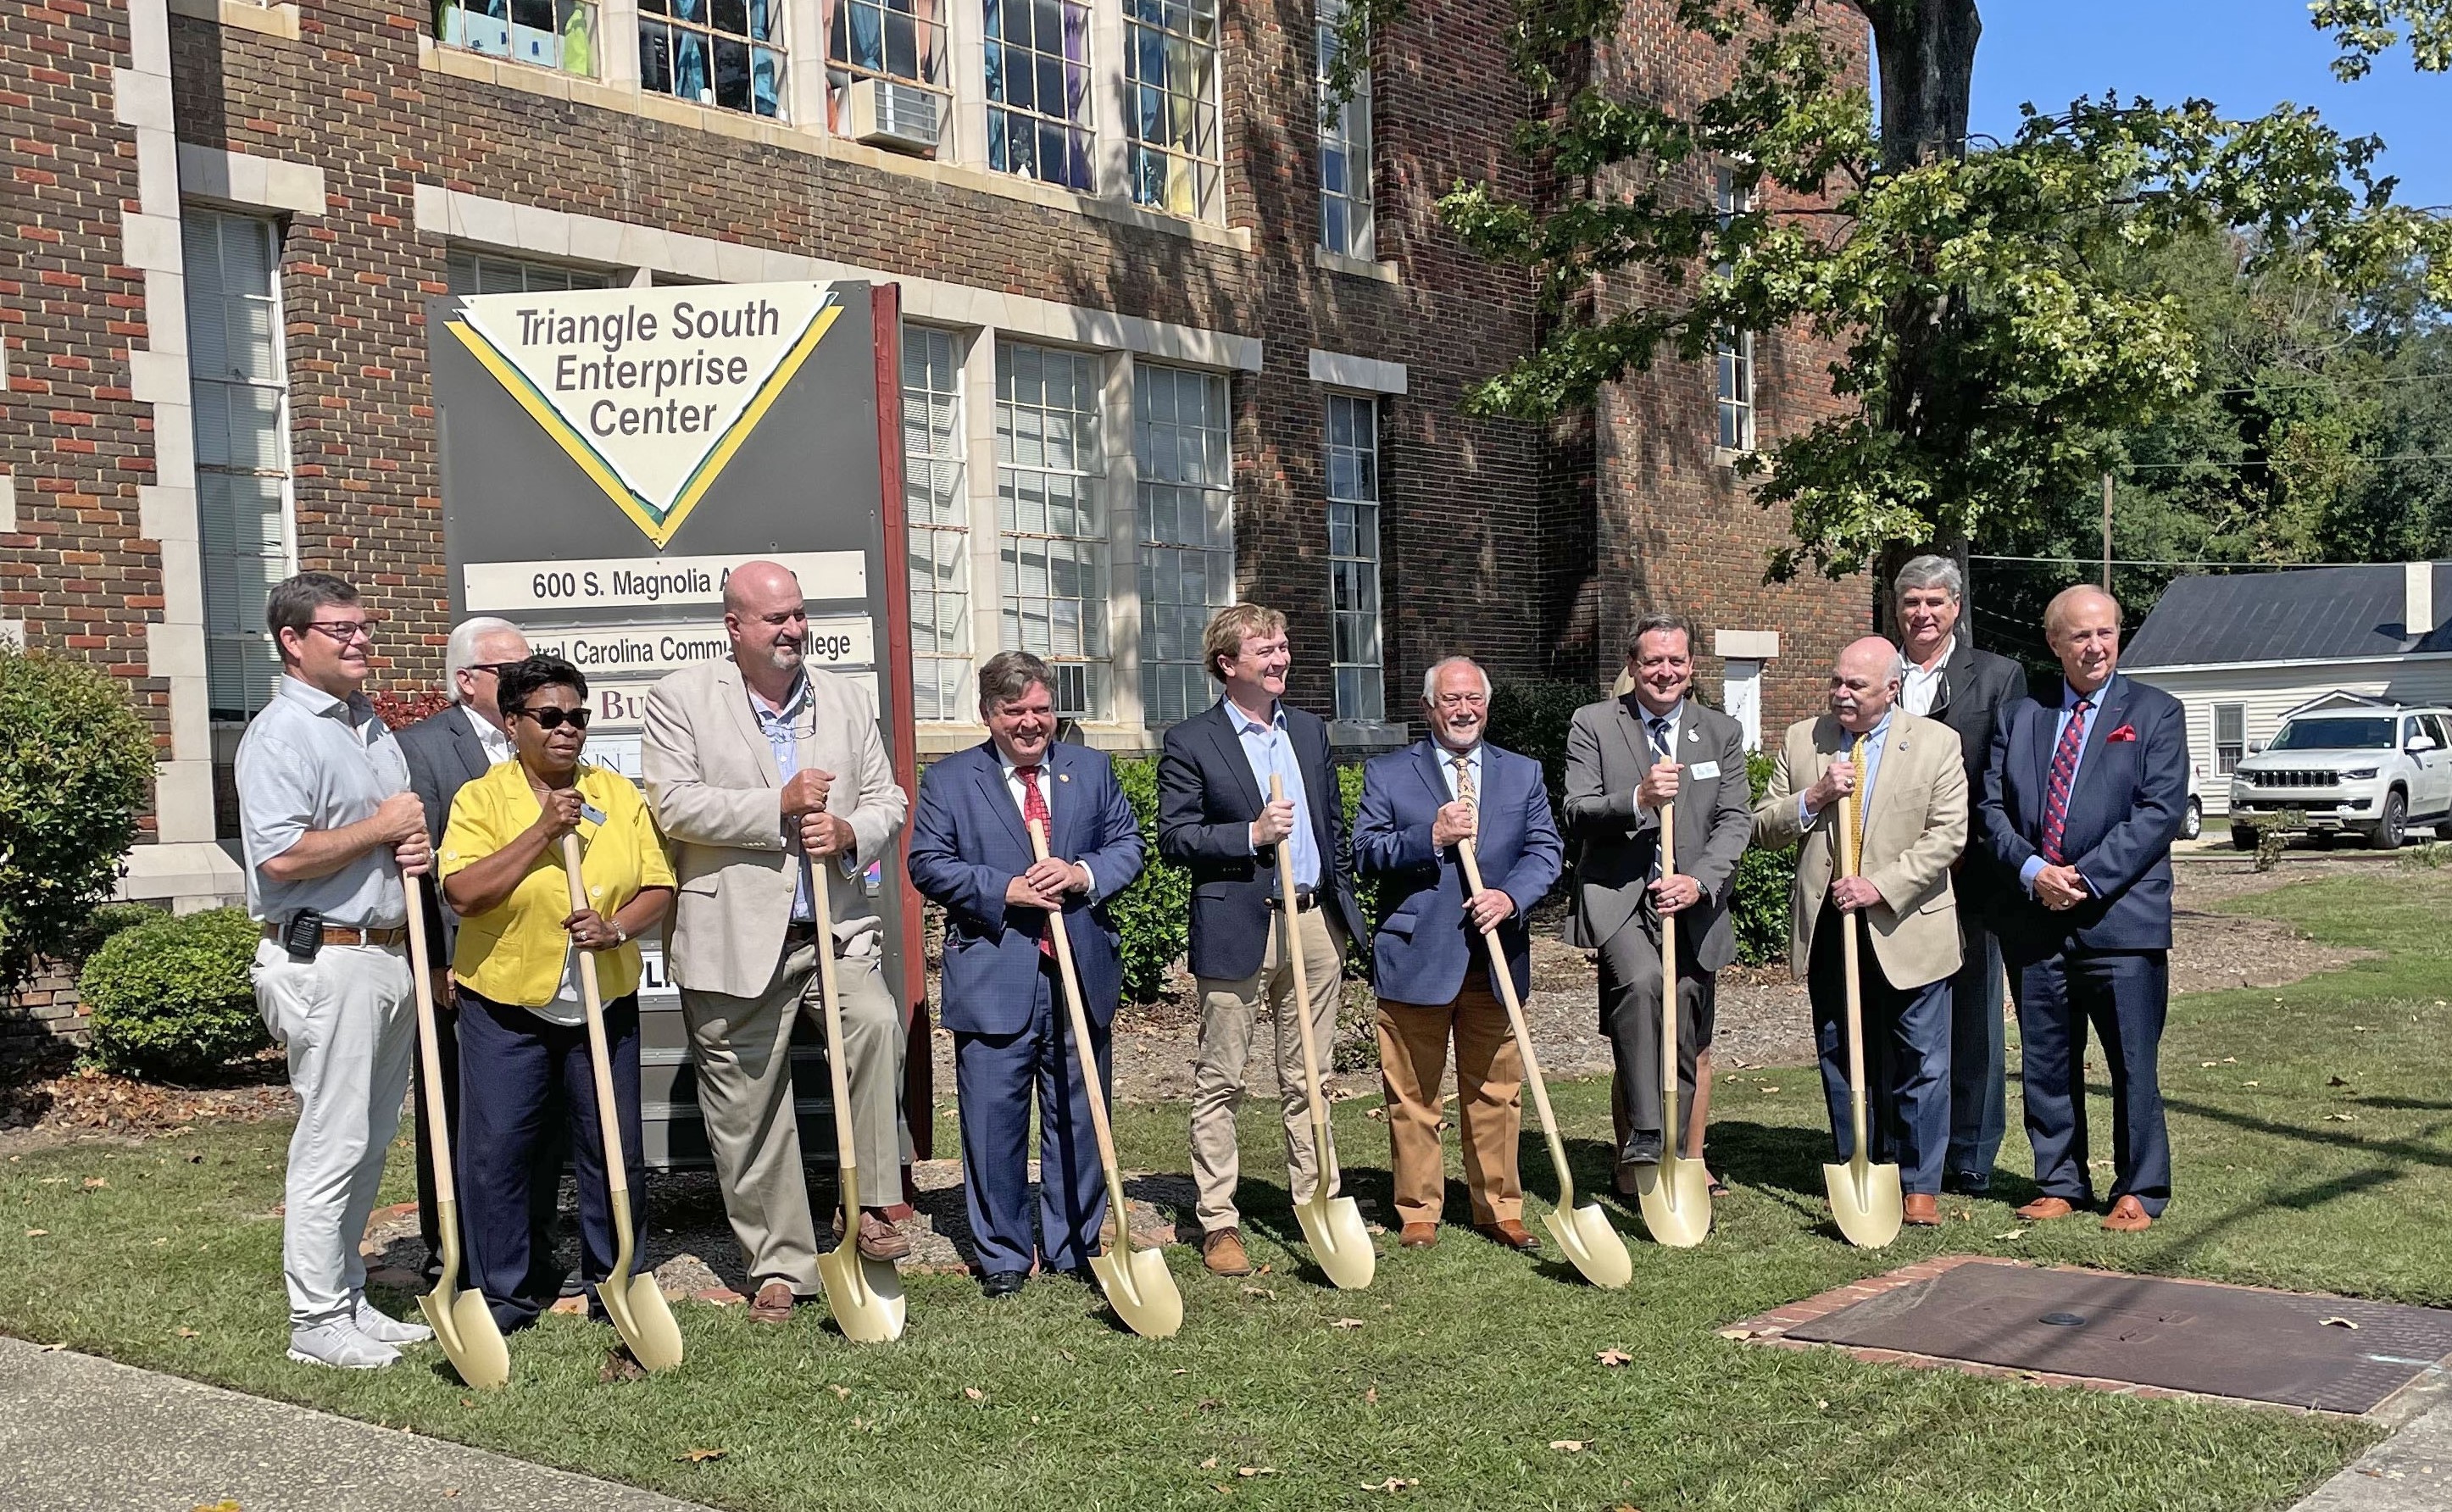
{"type": "Point", "coordinates": [1357, 664]}
{"type": "Point", "coordinates": [1741, 697]}
{"type": "Point", "coordinates": [1185, 502]}
{"type": "Point", "coordinates": [898, 41]}
{"type": "Point", "coordinates": [1037, 64]}
{"type": "Point", "coordinates": [240, 387]}
{"type": "Point", "coordinates": [1344, 150]}
{"type": "Point", "coordinates": [1051, 517]}
{"type": "Point", "coordinates": [1171, 77]}
{"type": "Point", "coordinates": [727, 53]}
{"type": "Point", "coordinates": [472, 272]}
{"type": "Point", "coordinates": [2230, 737]}
{"type": "Point", "coordinates": [1734, 353]}
{"type": "Point", "coordinates": [936, 511]}
{"type": "Point", "coordinates": [558, 34]}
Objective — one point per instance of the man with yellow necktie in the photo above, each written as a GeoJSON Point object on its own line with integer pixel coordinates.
{"type": "Point", "coordinates": [1904, 778]}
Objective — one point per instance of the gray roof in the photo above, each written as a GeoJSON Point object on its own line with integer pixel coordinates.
{"type": "Point", "coordinates": [2312, 613]}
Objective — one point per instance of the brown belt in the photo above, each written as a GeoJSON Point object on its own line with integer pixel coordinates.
{"type": "Point", "coordinates": [343, 935]}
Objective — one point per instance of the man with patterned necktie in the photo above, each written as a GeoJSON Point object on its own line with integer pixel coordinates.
{"type": "Point", "coordinates": [2082, 797]}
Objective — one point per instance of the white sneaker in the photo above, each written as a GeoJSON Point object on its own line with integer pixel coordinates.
{"type": "Point", "coordinates": [340, 1346]}
{"type": "Point", "coordinates": [383, 1328]}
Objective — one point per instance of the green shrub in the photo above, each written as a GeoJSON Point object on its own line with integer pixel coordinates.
{"type": "Point", "coordinates": [74, 765]}
{"type": "Point", "coordinates": [107, 921]}
{"type": "Point", "coordinates": [1153, 916]}
{"type": "Point", "coordinates": [172, 996]}
{"type": "Point", "coordinates": [1532, 718]}
{"type": "Point", "coordinates": [1758, 907]}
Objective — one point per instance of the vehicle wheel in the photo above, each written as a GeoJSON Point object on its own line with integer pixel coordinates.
{"type": "Point", "coordinates": [2241, 838]}
{"type": "Point", "coordinates": [2193, 823]}
{"type": "Point", "coordinates": [2444, 832]}
{"type": "Point", "coordinates": [2396, 817]}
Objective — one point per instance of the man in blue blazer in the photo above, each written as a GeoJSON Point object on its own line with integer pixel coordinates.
{"type": "Point", "coordinates": [1002, 997]}
{"type": "Point", "coordinates": [1431, 969]}
{"type": "Point", "coordinates": [2082, 797]}
{"type": "Point", "coordinates": [1214, 819]}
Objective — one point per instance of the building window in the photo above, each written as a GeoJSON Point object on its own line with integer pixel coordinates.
{"type": "Point", "coordinates": [1039, 90]}
{"type": "Point", "coordinates": [2230, 737]}
{"type": "Point", "coordinates": [477, 273]}
{"type": "Point", "coordinates": [1735, 351]}
{"type": "Point", "coordinates": [1185, 501]}
{"type": "Point", "coordinates": [558, 34]}
{"type": "Point", "coordinates": [1052, 554]}
{"type": "Point", "coordinates": [934, 508]}
{"type": "Point", "coordinates": [1344, 150]}
{"type": "Point", "coordinates": [899, 41]}
{"type": "Point", "coordinates": [1741, 697]}
{"type": "Point", "coordinates": [1171, 77]}
{"type": "Point", "coordinates": [727, 53]}
{"type": "Point", "coordinates": [1355, 661]}
{"type": "Point", "coordinates": [239, 386]}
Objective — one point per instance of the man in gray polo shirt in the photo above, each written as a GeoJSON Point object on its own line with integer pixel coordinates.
{"type": "Point", "coordinates": [331, 826]}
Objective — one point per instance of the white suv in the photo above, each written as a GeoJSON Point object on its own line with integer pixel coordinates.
{"type": "Point", "coordinates": [2372, 770]}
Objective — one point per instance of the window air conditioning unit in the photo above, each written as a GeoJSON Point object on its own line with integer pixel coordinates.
{"type": "Point", "coordinates": [898, 117]}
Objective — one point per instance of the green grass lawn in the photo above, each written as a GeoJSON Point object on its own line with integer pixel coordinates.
{"type": "Point", "coordinates": [1467, 1363]}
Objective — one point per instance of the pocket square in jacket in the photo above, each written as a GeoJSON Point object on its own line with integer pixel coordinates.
{"type": "Point", "coordinates": [2126, 731]}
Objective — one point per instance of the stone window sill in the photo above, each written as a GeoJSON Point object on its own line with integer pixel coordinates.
{"type": "Point", "coordinates": [246, 15]}
{"type": "Point", "coordinates": [1355, 266]}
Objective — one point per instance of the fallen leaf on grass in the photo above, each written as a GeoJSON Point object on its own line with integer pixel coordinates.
{"type": "Point", "coordinates": [1392, 1485]}
{"type": "Point", "coordinates": [1770, 1089]}
{"type": "Point", "coordinates": [52, 1349]}
{"type": "Point", "coordinates": [1210, 1463]}
{"type": "Point", "coordinates": [1379, 1114]}
{"type": "Point", "coordinates": [96, 1183]}
{"type": "Point", "coordinates": [619, 1365]}
{"type": "Point", "coordinates": [842, 1392]}
{"type": "Point", "coordinates": [699, 1456]}
{"type": "Point", "coordinates": [1567, 1445]}
{"type": "Point", "coordinates": [2014, 1233]}
{"type": "Point", "coordinates": [1259, 1291]}
{"type": "Point", "coordinates": [224, 1505]}
{"type": "Point", "coordinates": [2340, 1118]}
{"type": "Point", "coordinates": [1614, 1358]}
{"type": "Point", "coordinates": [36, 1233]}
{"type": "Point", "coordinates": [189, 1333]}
{"type": "Point", "coordinates": [1347, 1323]}
{"type": "Point", "coordinates": [1248, 1471]}
{"type": "Point", "coordinates": [2208, 1065]}
{"type": "Point", "coordinates": [2336, 1322]}
{"type": "Point", "coordinates": [975, 1394]}
{"type": "Point", "coordinates": [1372, 1396]}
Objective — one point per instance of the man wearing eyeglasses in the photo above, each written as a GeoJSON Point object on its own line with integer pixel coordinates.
{"type": "Point", "coordinates": [761, 768]}
{"type": "Point", "coordinates": [330, 827]}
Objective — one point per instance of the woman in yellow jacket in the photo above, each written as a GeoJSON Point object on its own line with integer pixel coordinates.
{"type": "Point", "coordinates": [523, 1061]}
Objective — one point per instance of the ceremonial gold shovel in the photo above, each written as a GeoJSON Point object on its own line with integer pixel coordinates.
{"type": "Point", "coordinates": [1583, 1232]}
{"type": "Point", "coordinates": [1137, 1282]}
{"type": "Point", "coordinates": [463, 1325]}
{"type": "Point", "coordinates": [1675, 1195]}
{"type": "Point", "coordinates": [1865, 1197]}
{"type": "Point", "coordinates": [635, 1304]}
{"type": "Point", "coordinates": [1332, 1225]}
{"type": "Point", "coordinates": [866, 1295]}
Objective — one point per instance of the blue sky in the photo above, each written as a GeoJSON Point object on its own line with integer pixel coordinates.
{"type": "Point", "coordinates": [2244, 55]}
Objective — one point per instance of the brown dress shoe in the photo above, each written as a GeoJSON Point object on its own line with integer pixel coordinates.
{"type": "Point", "coordinates": [880, 1238]}
{"type": "Point", "coordinates": [773, 1302]}
{"type": "Point", "coordinates": [1222, 1252]}
{"type": "Point", "coordinates": [1508, 1232]}
{"type": "Point", "coordinates": [2127, 1216]}
{"type": "Point", "coordinates": [1922, 1210]}
{"type": "Point", "coordinates": [2045, 1209]}
{"type": "Point", "coordinates": [1419, 1236]}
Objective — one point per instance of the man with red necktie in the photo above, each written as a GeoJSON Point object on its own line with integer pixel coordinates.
{"type": "Point", "coordinates": [2082, 799]}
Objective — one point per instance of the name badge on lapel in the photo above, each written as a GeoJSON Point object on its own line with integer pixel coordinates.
{"type": "Point", "coordinates": [1705, 771]}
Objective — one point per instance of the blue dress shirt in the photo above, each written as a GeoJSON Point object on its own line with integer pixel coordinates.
{"type": "Point", "coordinates": [1270, 752]}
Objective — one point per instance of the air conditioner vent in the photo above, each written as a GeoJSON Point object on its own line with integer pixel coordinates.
{"type": "Point", "coordinates": [898, 117]}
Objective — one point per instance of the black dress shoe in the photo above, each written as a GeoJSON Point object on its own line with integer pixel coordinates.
{"type": "Point", "coordinates": [1642, 1148]}
{"type": "Point", "coordinates": [1003, 1283]}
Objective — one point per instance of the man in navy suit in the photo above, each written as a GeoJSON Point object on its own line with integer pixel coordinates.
{"type": "Point", "coordinates": [1002, 995]}
{"type": "Point", "coordinates": [2082, 797]}
{"type": "Point", "coordinates": [1431, 969]}
{"type": "Point", "coordinates": [1214, 818]}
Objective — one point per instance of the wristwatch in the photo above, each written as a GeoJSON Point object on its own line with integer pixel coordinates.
{"type": "Point", "coordinates": [621, 935]}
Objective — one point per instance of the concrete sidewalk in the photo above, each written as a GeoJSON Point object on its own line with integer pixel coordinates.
{"type": "Point", "coordinates": [2409, 1472]}
{"type": "Point", "coordinates": [79, 1434]}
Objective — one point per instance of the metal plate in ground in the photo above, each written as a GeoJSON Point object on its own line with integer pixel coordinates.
{"type": "Point", "coordinates": [2184, 1336]}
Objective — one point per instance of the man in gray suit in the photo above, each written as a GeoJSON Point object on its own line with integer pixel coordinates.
{"type": "Point", "coordinates": [1627, 759]}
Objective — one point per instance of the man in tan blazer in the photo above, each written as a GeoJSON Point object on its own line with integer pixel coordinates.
{"type": "Point", "coordinates": [1907, 779]}
{"type": "Point", "coordinates": [753, 765]}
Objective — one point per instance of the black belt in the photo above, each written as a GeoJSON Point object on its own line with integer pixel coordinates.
{"type": "Point", "coordinates": [800, 932]}
{"type": "Point", "coordinates": [1305, 900]}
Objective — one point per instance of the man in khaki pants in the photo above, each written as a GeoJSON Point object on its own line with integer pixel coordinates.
{"type": "Point", "coordinates": [1216, 818]}
{"type": "Point", "coordinates": [751, 765]}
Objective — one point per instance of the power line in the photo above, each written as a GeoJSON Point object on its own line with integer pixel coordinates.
{"type": "Point", "coordinates": [2160, 561]}
{"type": "Point", "coordinates": [2207, 461]}
{"type": "Point", "coordinates": [2343, 382]}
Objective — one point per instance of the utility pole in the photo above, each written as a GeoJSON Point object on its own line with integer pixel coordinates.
{"type": "Point", "coordinates": [2107, 530]}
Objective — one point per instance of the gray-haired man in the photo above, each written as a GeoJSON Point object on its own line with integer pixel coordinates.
{"type": "Point", "coordinates": [1966, 689]}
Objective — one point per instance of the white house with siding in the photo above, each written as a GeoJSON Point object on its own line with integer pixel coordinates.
{"type": "Point", "coordinates": [2241, 650]}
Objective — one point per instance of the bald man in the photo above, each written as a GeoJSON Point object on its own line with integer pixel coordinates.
{"type": "Point", "coordinates": [1905, 779]}
{"type": "Point", "coordinates": [2082, 797]}
{"type": "Point", "coordinates": [759, 769]}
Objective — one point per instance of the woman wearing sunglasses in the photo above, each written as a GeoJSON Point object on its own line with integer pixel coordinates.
{"type": "Point", "coordinates": [523, 1062]}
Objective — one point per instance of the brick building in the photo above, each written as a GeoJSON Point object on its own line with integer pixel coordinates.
{"type": "Point", "coordinates": [1120, 225]}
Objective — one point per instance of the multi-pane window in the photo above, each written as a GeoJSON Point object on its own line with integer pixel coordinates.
{"type": "Point", "coordinates": [1171, 77]}
{"type": "Point", "coordinates": [727, 53]}
{"type": "Point", "coordinates": [1355, 658]}
{"type": "Point", "coordinates": [1039, 90]}
{"type": "Point", "coordinates": [1051, 519]}
{"type": "Point", "coordinates": [933, 506]}
{"type": "Point", "coordinates": [899, 41]}
{"type": "Point", "coordinates": [1185, 501]}
{"type": "Point", "coordinates": [2230, 737]}
{"type": "Point", "coordinates": [548, 33]}
{"type": "Point", "coordinates": [1733, 358]}
{"type": "Point", "coordinates": [1344, 150]}
{"type": "Point", "coordinates": [478, 273]}
{"type": "Point", "coordinates": [239, 386]}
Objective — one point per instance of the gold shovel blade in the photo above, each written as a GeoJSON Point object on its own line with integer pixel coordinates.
{"type": "Point", "coordinates": [643, 1317]}
{"type": "Point", "coordinates": [1339, 1242]}
{"type": "Point", "coordinates": [1676, 1201]}
{"type": "Point", "coordinates": [1593, 1244]}
{"type": "Point", "coordinates": [1141, 1290]}
{"type": "Point", "coordinates": [1865, 1202]}
{"type": "Point", "coordinates": [865, 1295]}
{"type": "Point", "coordinates": [465, 1326]}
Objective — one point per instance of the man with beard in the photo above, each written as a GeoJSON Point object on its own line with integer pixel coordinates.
{"type": "Point", "coordinates": [759, 767]}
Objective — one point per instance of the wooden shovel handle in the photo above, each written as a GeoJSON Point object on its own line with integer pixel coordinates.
{"type": "Point", "coordinates": [838, 1060]}
{"type": "Point", "coordinates": [1669, 989]}
{"type": "Point", "coordinates": [438, 1135]}
{"type": "Point", "coordinates": [1287, 913]}
{"type": "Point", "coordinates": [608, 1116]}
{"type": "Point", "coordinates": [1081, 1017]}
{"type": "Point", "coordinates": [1505, 976]}
{"type": "Point", "coordinates": [1848, 941]}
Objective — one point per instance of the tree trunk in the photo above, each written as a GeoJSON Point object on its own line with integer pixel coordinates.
{"type": "Point", "coordinates": [1928, 56]}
